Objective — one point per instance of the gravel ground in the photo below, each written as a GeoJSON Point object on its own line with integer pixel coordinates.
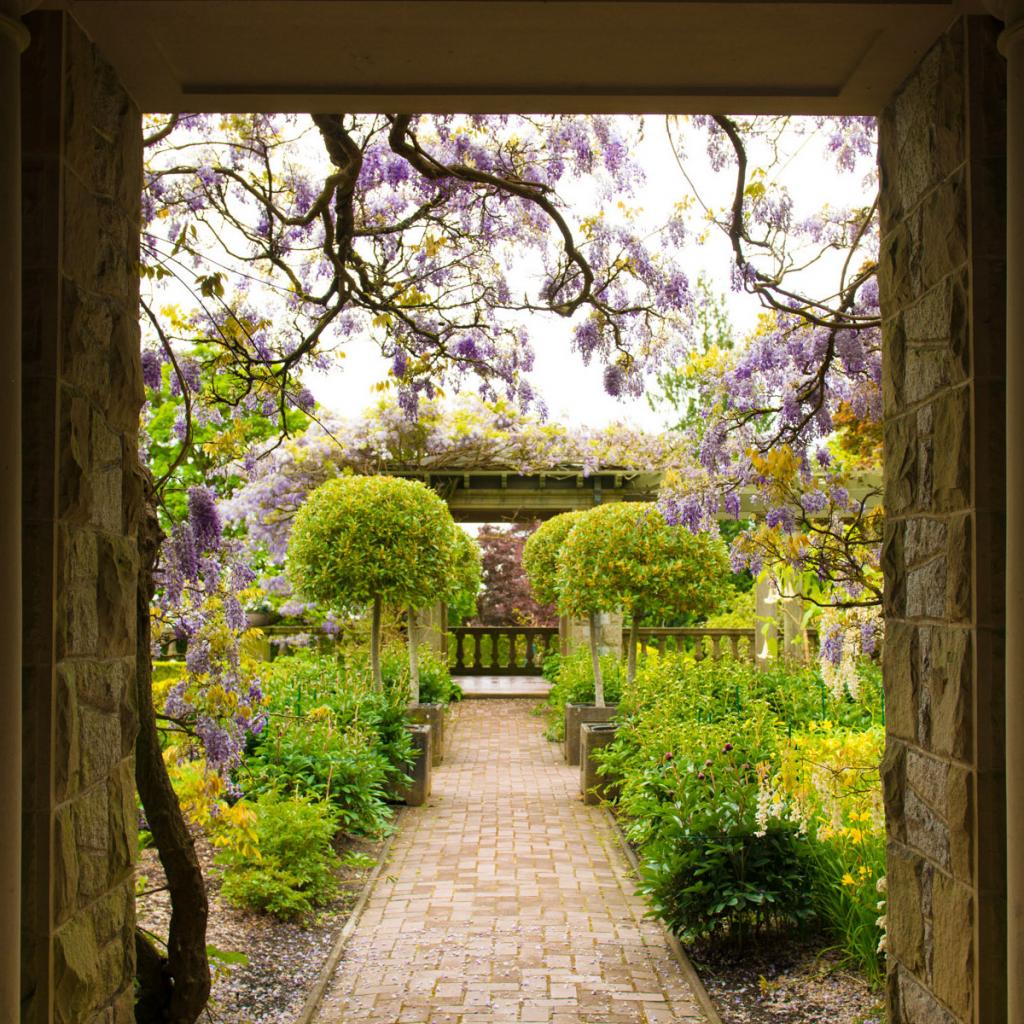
{"type": "Point", "coordinates": [284, 959]}
{"type": "Point", "coordinates": [788, 983]}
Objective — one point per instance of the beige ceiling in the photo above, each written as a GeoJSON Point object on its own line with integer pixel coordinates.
{"type": "Point", "coordinates": [511, 55]}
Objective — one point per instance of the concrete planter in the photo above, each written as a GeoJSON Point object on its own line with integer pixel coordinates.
{"type": "Point", "coordinates": [415, 793]}
{"type": "Point", "coordinates": [594, 736]}
{"type": "Point", "coordinates": [432, 715]}
{"type": "Point", "coordinates": [575, 716]}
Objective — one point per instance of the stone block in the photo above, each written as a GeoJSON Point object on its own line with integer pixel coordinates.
{"type": "Point", "coordinates": [894, 350]}
{"type": "Point", "coordinates": [901, 470]}
{"type": "Point", "coordinates": [893, 562]}
{"type": "Point", "coordinates": [924, 539]}
{"type": "Point", "coordinates": [575, 716]}
{"type": "Point", "coordinates": [952, 946]}
{"type": "Point", "coordinates": [79, 987]}
{"type": "Point", "coordinates": [900, 679]}
{"type": "Point", "coordinates": [432, 715]}
{"type": "Point", "coordinates": [74, 495]}
{"type": "Point", "coordinates": [99, 742]}
{"type": "Point", "coordinates": [99, 243]}
{"type": "Point", "coordinates": [125, 393]}
{"type": "Point", "coordinates": [926, 590]}
{"type": "Point", "coordinates": [959, 562]}
{"type": "Point", "coordinates": [917, 1005]}
{"type": "Point", "coordinates": [77, 622]}
{"type": "Point", "coordinates": [893, 774]}
{"type": "Point", "coordinates": [77, 548]}
{"type": "Point", "coordinates": [951, 450]}
{"type": "Point", "coordinates": [416, 792]}
{"type": "Point", "coordinates": [67, 756]}
{"type": "Point", "coordinates": [926, 831]}
{"type": "Point", "coordinates": [944, 672]}
{"type": "Point", "coordinates": [928, 777]}
{"type": "Point", "coordinates": [943, 238]}
{"type": "Point", "coordinates": [123, 822]}
{"type": "Point", "coordinates": [595, 736]}
{"type": "Point", "coordinates": [904, 910]}
{"type": "Point", "coordinates": [959, 799]}
{"type": "Point", "coordinates": [66, 868]}
{"type": "Point", "coordinates": [117, 582]}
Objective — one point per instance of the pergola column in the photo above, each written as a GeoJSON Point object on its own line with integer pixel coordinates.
{"type": "Point", "coordinates": [1011, 44]}
{"type": "Point", "coordinates": [13, 41]}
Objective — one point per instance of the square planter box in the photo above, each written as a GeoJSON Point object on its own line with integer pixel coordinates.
{"type": "Point", "coordinates": [575, 716]}
{"type": "Point", "coordinates": [594, 736]}
{"type": "Point", "coordinates": [432, 715]}
{"type": "Point", "coordinates": [415, 793]}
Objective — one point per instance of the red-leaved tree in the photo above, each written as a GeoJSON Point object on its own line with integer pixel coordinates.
{"type": "Point", "coordinates": [506, 597]}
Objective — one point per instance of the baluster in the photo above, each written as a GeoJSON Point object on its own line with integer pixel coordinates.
{"type": "Point", "coordinates": [698, 650]}
{"type": "Point", "coordinates": [475, 637]}
{"type": "Point", "coordinates": [716, 650]}
{"type": "Point", "coordinates": [662, 640]}
{"type": "Point", "coordinates": [734, 642]}
{"type": "Point", "coordinates": [459, 662]}
{"type": "Point", "coordinates": [531, 662]}
{"type": "Point", "coordinates": [495, 644]}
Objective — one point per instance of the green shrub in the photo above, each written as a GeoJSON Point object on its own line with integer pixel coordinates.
{"type": "Point", "coordinates": [702, 749]}
{"type": "Point", "coordinates": [573, 683]}
{"type": "Point", "coordinates": [333, 737]}
{"type": "Point", "coordinates": [436, 686]}
{"type": "Point", "coordinates": [293, 872]}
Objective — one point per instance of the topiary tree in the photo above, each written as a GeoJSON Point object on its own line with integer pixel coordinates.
{"type": "Point", "coordinates": [625, 556]}
{"type": "Point", "coordinates": [540, 555]}
{"type": "Point", "coordinates": [466, 577]}
{"type": "Point", "coordinates": [373, 540]}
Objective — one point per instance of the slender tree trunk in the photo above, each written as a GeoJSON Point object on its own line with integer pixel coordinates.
{"type": "Point", "coordinates": [414, 660]}
{"type": "Point", "coordinates": [180, 989]}
{"type": "Point", "coordinates": [595, 661]}
{"type": "Point", "coordinates": [634, 633]}
{"type": "Point", "coordinates": [378, 679]}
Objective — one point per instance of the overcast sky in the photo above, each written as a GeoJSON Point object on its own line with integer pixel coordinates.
{"type": "Point", "coordinates": [573, 392]}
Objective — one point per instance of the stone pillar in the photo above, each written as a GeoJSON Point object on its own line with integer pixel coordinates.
{"type": "Point", "coordinates": [577, 633]}
{"type": "Point", "coordinates": [81, 508]}
{"type": "Point", "coordinates": [792, 607]}
{"type": "Point", "coordinates": [942, 282]}
{"type": "Point", "coordinates": [766, 618]}
{"type": "Point", "coordinates": [432, 628]}
{"type": "Point", "coordinates": [13, 41]}
{"type": "Point", "coordinates": [1011, 45]}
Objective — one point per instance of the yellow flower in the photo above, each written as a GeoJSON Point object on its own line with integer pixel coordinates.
{"type": "Point", "coordinates": [848, 879]}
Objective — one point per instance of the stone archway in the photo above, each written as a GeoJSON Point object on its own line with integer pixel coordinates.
{"type": "Point", "coordinates": [943, 159]}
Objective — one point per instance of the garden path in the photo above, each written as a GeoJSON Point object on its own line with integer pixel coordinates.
{"type": "Point", "coordinates": [506, 899]}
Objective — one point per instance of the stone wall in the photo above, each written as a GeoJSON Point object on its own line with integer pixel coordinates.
{"type": "Point", "coordinates": [942, 161]}
{"type": "Point", "coordinates": [82, 393]}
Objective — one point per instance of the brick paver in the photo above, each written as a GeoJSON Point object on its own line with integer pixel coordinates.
{"type": "Point", "coordinates": [506, 899]}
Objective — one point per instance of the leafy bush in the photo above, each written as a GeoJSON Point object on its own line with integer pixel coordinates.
{"type": "Point", "coordinates": [754, 800]}
{"type": "Point", "coordinates": [829, 778]}
{"type": "Point", "coordinates": [318, 758]}
{"type": "Point", "coordinates": [333, 737]}
{"type": "Point", "coordinates": [573, 683]}
{"type": "Point", "coordinates": [436, 686]}
{"type": "Point", "coordinates": [292, 870]}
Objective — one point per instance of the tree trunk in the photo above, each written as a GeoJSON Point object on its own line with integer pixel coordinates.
{"type": "Point", "coordinates": [183, 986]}
{"type": "Point", "coordinates": [414, 660]}
{"type": "Point", "coordinates": [378, 679]}
{"type": "Point", "coordinates": [595, 661]}
{"type": "Point", "coordinates": [634, 632]}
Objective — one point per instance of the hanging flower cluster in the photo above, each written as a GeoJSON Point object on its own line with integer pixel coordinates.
{"type": "Point", "coordinates": [202, 581]}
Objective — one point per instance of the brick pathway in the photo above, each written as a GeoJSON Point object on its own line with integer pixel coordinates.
{"type": "Point", "coordinates": [505, 900]}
